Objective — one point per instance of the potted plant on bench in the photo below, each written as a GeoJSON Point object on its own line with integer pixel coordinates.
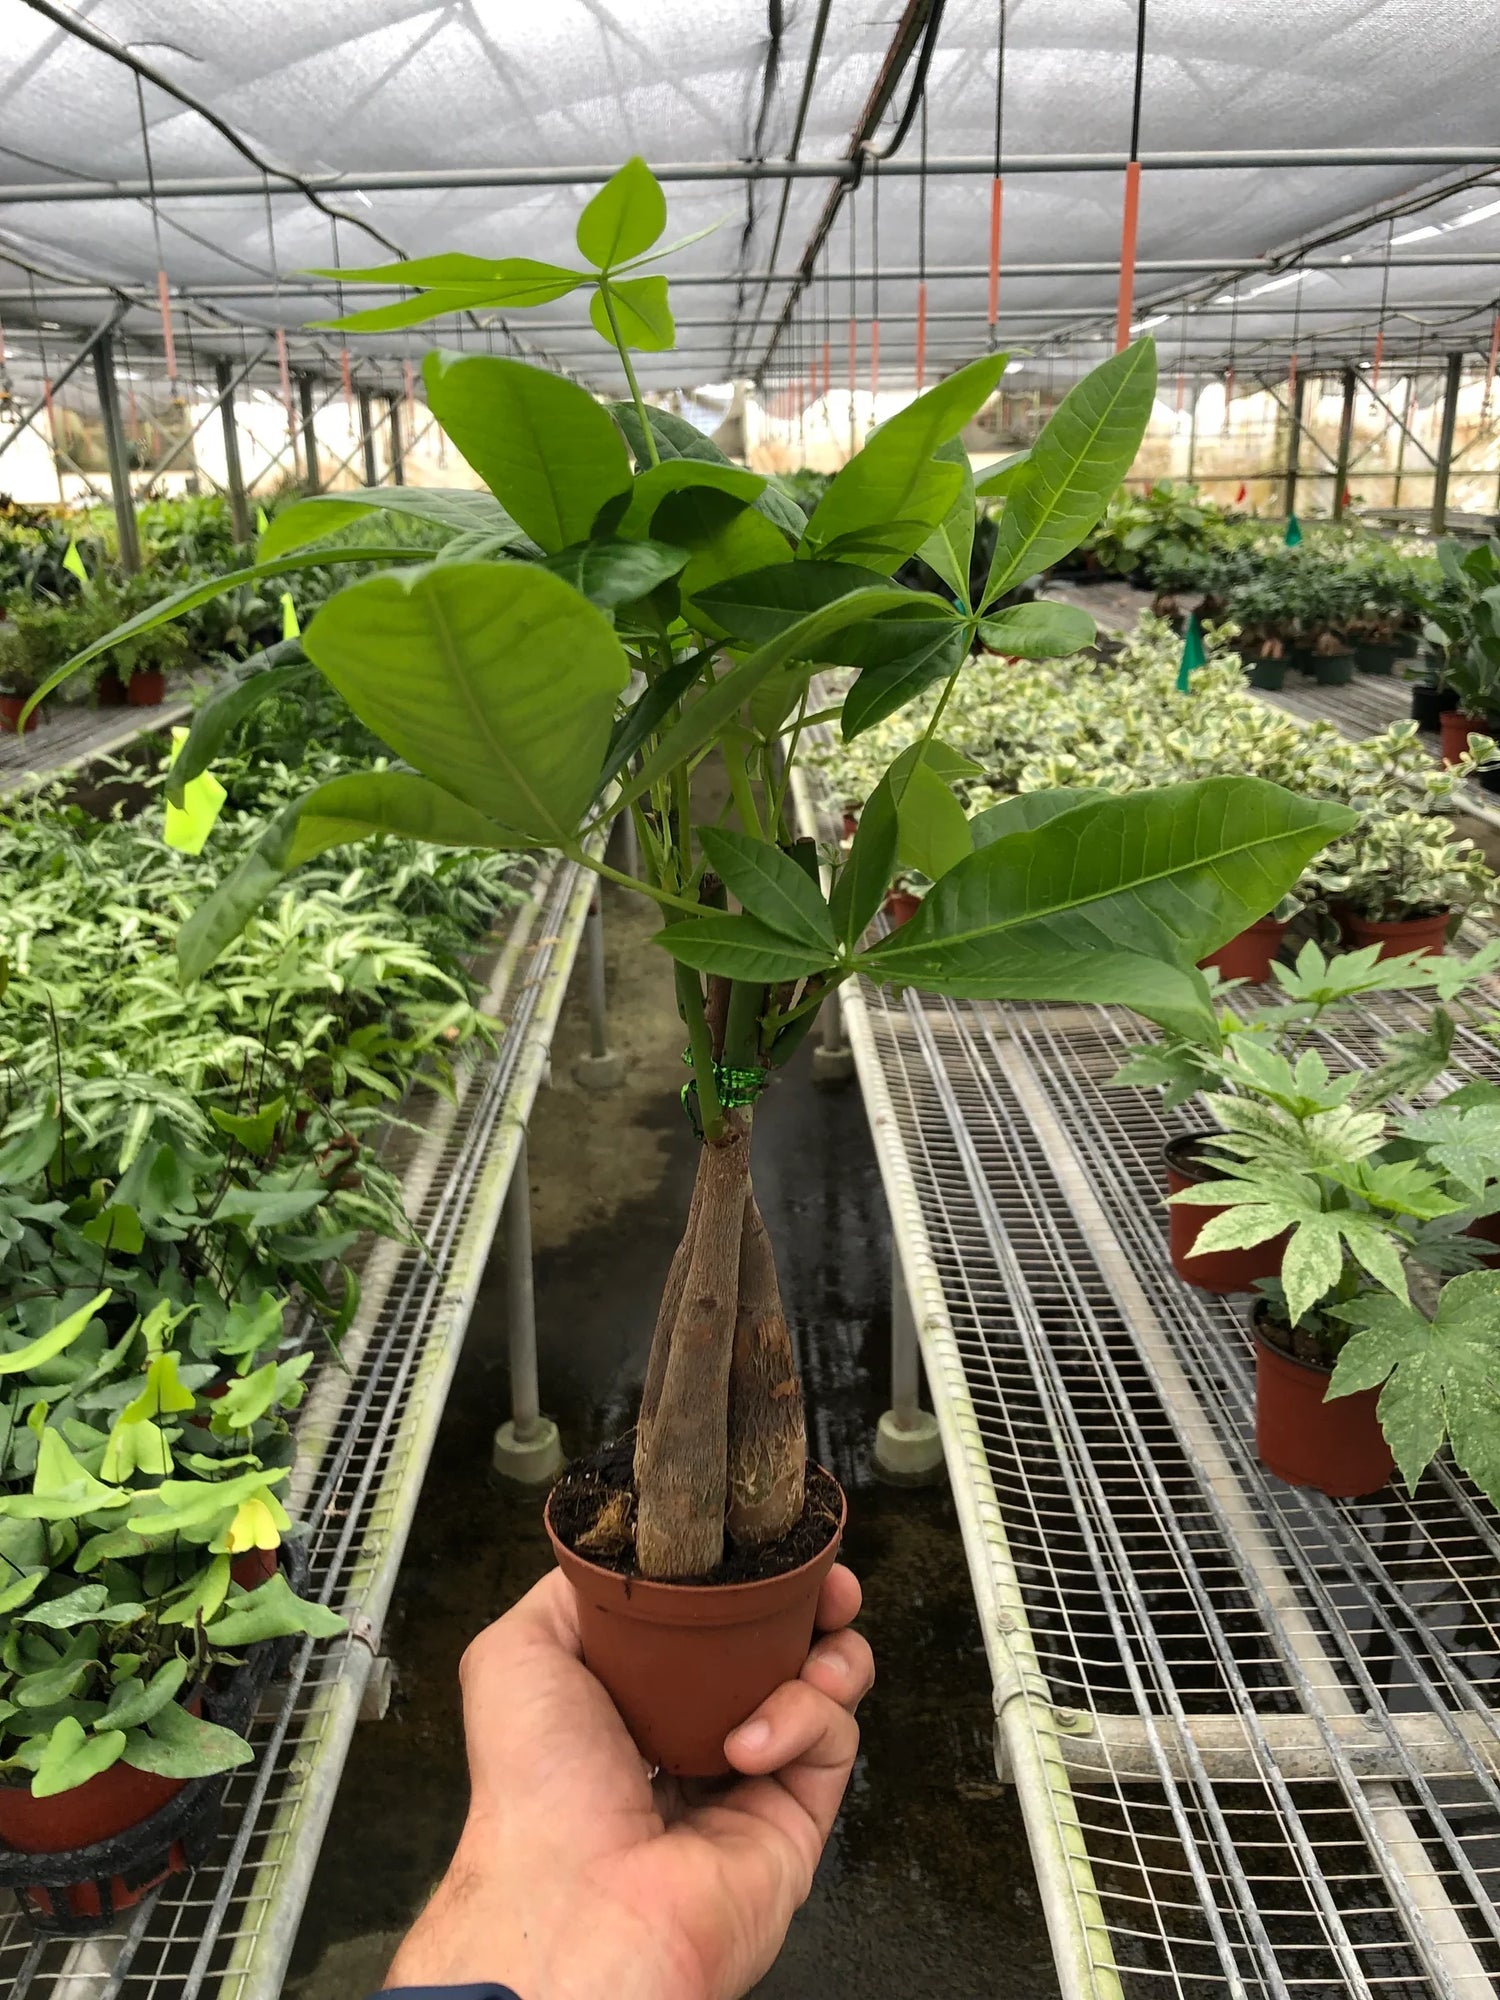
{"type": "Point", "coordinates": [619, 604]}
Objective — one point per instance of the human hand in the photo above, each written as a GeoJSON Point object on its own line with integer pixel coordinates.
{"type": "Point", "coordinates": [575, 1877]}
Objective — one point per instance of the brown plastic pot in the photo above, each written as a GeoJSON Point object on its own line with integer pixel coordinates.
{"type": "Point", "coordinates": [686, 1663]}
{"type": "Point", "coordinates": [1487, 1229]}
{"type": "Point", "coordinates": [146, 690]}
{"type": "Point", "coordinates": [901, 905]}
{"type": "Point", "coordinates": [1249, 955]}
{"type": "Point", "coordinates": [10, 715]}
{"type": "Point", "coordinates": [1426, 934]}
{"type": "Point", "coordinates": [99, 1808]}
{"type": "Point", "coordinates": [1455, 729]}
{"type": "Point", "coordinates": [110, 690]}
{"type": "Point", "coordinates": [1337, 1448]}
{"type": "Point", "coordinates": [1216, 1270]}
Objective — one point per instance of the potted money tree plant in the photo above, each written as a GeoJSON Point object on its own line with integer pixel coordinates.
{"type": "Point", "coordinates": [619, 604]}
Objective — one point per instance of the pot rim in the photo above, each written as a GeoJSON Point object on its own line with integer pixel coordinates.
{"type": "Point", "coordinates": [728, 1593]}
{"type": "Point", "coordinates": [1191, 1170]}
{"type": "Point", "coordinates": [1401, 923]}
{"type": "Point", "coordinates": [1280, 1354]}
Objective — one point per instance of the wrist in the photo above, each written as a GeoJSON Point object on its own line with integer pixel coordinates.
{"type": "Point", "coordinates": [482, 1925]}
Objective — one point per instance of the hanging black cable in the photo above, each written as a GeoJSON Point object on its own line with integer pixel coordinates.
{"type": "Point", "coordinates": [1125, 307]}
{"type": "Point", "coordinates": [916, 95]}
{"type": "Point", "coordinates": [922, 257]}
{"type": "Point", "coordinates": [874, 288]}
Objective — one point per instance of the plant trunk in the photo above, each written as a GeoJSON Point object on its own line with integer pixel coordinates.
{"type": "Point", "coordinates": [721, 1432]}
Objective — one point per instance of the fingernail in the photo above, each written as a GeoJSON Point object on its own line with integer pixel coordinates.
{"type": "Point", "coordinates": [752, 1736]}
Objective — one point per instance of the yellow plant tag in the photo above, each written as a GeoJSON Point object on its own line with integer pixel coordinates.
{"type": "Point", "coordinates": [72, 562]}
{"type": "Point", "coordinates": [290, 629]}
{"type": "Point", "coordinates": [189, 825]}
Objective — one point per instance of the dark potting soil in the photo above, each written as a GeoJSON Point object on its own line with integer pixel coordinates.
{"type": "Point", "coordinates": [596, 1483]}
{"type": "Point", "coordinates": [1297, 1343]}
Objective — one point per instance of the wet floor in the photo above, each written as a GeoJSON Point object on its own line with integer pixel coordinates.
{"type": "Point", "coordinates": [926, 1887]}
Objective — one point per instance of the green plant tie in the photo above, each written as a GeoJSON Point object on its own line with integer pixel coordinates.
{"type": "Point", "coordinates": [736, 1087]}
{"type": "Point", "coordinates": [1293, 535]}
{"type": "Point", "coordinates": [1194, 653]}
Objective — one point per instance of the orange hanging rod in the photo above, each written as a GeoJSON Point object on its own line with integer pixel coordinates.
{"type": "Point", "coordinates": [411, 395]}
{"type": "Point", "coordinates": [827, 369]}
{"type": "Point", "coordinates": [164, 298]}
{"type": "Point", "coordinates": [286, 380]}
{"type": "Point", "coordinates": [344, 371]}
{"type": "Point", "coordinates": [874, 358]}
{"type": "Point", "coordinates": [1126, 307]}
{"type": "Point", "coordinates": [921, 334]}
{"type": "Point", "coordinates": [996, 197]}
{"type": "Point", "coordinates": [853, 354]}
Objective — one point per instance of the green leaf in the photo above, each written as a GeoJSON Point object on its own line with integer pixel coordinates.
{"type": "Point", "coordinates": [899, 657]}
{"type": "Point", "coordinates": [624, 218]}
{"type": "Point", "coordinates": [71, 1758]}
{"type": "Point", "coordinates": [497, 681]}
{"type": "Point", "coordinates": [758, 607]}
{"type": "Point", "coordinates": [932, 833]}
{"type": "Point", "coordinates": [950, 549]}
{"type": "Point", "coordinates": [118, 1226]}
{"type": "Point", "coordinates": [267, 1207]}
{"type": "Point", "coordinates": [673, 436]}
{"type": "Point", "coordinates": [426, 306]}
{"type": "Point", "coordinates": [135, 1702]}
{"type": "Point", "coordinates": [613, 571]}
{"type": "Point", "coordinates": [549, 453]}
{"type": "Point", "coordinates": [1311, 1264]}
{"type": "Point", "coordinates": [272, 1611]}
{"type": "Point", "coordinates": [202, 593]}
{"type": "Point", "coordinates": [77, 1607]}
{"type": "Point", "coordinates": [659, 483]}
{"type": "Point", "coordinates": [645, 716]}
{"type": "Point", "coordinates": [1115, 899]}
{"type": "Point", "coordinates": [1040, 631]}
{"type": "Point", "coordinates": [701, 722]}
{"type": "Point", "coordinates": [741, 948]}
{"type": "Point", "coordinates": [176, 1744]}
{"type": "Point", "coordinates": [1028, 809]}
{"type": "Point", "coordinates": [55, 1339]}
{"type": "Point", "coordinates": [216, 720]}
{"type": "Point", "coordinates": [450, 271]}
{"type": "Point", "coordinates": [642, 312]}
{"type": "Point", "coordinates": [324, 514]}
{"type": "Point", "coordinates": [860, 886]}
{"type": "Point", "coordinates": [23, 1157]}
{"type": "Point", "coordinates": [203, 1595]}
{"type": "Point", "coordinates": [999, 478]}
{"type": "Point", "coordinates": [771, 887]}
{"type": "Point", "coordinates": [19, 1590]}
{"type": "Point", "coordinates": [894, 494]}
{"type": "Point", "coordinates": [1084, 451]}
{"type": "Point", "coordinates": [255, 1130]}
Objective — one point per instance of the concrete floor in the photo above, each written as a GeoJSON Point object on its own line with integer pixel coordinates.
{"type": "Point", "coordinates": [927, 1886]}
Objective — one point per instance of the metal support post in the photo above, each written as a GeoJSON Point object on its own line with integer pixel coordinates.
{"type": "Point", "coordinates": [1348, 381]}
{"type": "Point", "coordinates": [117, 453]}
{"type": "Point", "coordinates": [603, 1067]}
{"type": "Point", "coordinates": [309, 430]}
{"type": "Point", "coordinates": [1445, 442]}
{"type": "Point", "coordinates": [398, 453]}
{"type": "Point", "coordinates": [832, 1057]}
{"type": "Point", "coordinates": [630, 846]}
{"type": "Point", "coordinates": [1294, 442]}
{"type": "Point", "coordinates": [908, 1448]}
{"type": "Point", "coordinates": [367, 437]}
{"type": "Point", "coordinates": [239, 505]}
{"type": "Point", "coordinates": [527, 1448]}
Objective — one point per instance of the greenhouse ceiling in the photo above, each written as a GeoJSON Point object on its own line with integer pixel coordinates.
{"type": "Point", "coordinates": [1312, 173]}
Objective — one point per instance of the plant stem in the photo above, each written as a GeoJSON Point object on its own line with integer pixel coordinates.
{"type": "Point", "coordinates": [624, 354]}
{"type": "Point", "coordinates": [665, 897]}
{"type": "Point", "coordinates": [690, 999]}
{"type": "Point", "coordinates": [739, 784]}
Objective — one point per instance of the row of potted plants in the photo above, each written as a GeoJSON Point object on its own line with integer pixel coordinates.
{"type": "Point", "coordinates": [185, 1176]}
{"type": "Point", "coordinates": [1365, 1230]}
{"type": "Point", "coordinates": [1400, 877]}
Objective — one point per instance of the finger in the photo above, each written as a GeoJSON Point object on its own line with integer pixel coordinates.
{"type": "Point", "coordinates": [807, 1742]}
{"type": "Point", "coordinates": [839, 1599]}
{"type": "Point", "coordinates": [842, 1667]}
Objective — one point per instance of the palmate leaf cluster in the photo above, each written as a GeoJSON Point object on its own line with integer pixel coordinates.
{"type": "Point", "coordinates": [622, 602]}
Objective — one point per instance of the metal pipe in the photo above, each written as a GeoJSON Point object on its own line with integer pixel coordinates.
{"type": "Point", "coordinates": [520, 1295]}
{"type": "Point", "coordinates": [398, 453]}
{"type": "Point", "coordinates": [1444, 458]}
{"type": "Point", "coordinates": [598, 998]}
{"type": "Point", "coordinates": [101, 332]}
{"type": "Point", "coordinates": [117, 454]}
{"type": "Point", "coordinates": [309, 430]}
{"type": "Point", "coordinates": [239, 505]}
{"type": "Point", "coordinates": [367, 437]}
{"type": "Point", "coordinates": [1346, 434]}
{"type": "Point", "coordinates": [980, 166]}
{"type": "Point", "coordinates": [905, 1364]}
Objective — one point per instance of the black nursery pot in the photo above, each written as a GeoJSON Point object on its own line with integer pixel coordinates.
{"type": "Point", "coordinates": [1429, 702]}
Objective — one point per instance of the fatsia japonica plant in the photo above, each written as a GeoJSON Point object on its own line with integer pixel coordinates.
{"type": "Point", "coordinates": [622, 603]}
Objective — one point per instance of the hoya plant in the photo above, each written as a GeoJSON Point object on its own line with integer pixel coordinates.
{"type": "Point", "coordinates": [622, 603]}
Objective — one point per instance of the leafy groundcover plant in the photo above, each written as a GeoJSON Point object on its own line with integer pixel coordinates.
{"type": "Point", "coordinates": [622, 603]}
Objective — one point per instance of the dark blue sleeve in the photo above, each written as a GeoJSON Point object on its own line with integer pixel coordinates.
{"type": "Point", "coordinates": [444, 1993]}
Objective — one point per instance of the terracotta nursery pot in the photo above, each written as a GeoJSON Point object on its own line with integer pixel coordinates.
{"type": "Point", "coordinates": [1337, 1448]}
{"type": "Point", "coordinates": [1426, 934]}
{"type": "Point", "coordinates": [10, 714]}
{"type": "Point", "coordinates": [901, 905]}
{"type": "Point", "coordinates": [146, 690]}
{"type": "Point", "coordinates": [1218, 1270]}
{"type": "Point", "coordinates": [1430, 703]}
{"type": "Point", "coordinates": [1249, 955]}
{"type": "Point", "coordinates": [686, 1663]}
{"type": "Point", "coordinates": [1456, 728]}
{"type": "Point", "coordinates": [98, 1809]}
